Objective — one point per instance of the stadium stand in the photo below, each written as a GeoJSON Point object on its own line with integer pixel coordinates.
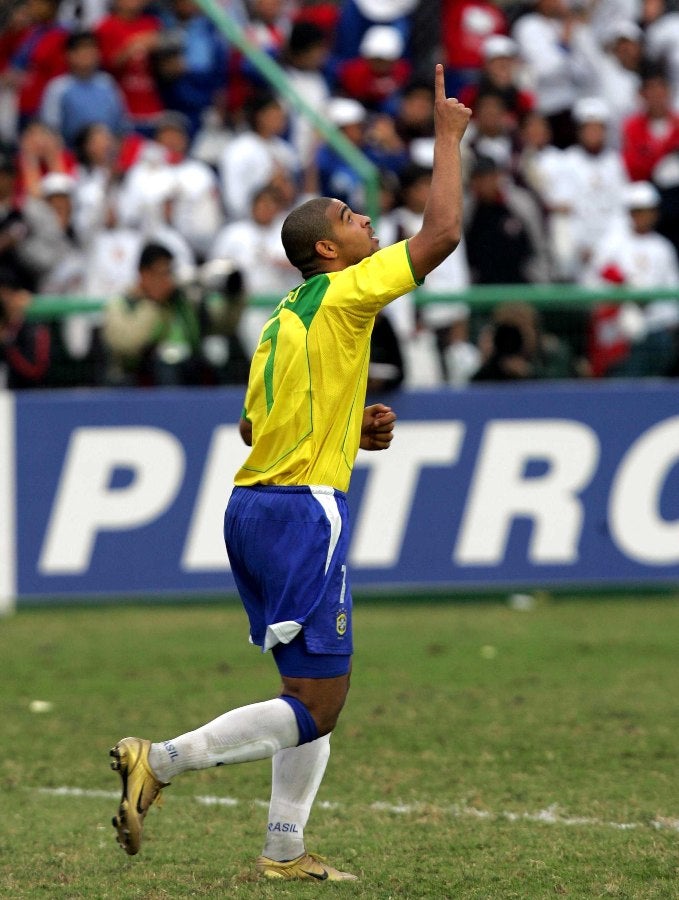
{"type": "Point", "coordinates": [137, 122]}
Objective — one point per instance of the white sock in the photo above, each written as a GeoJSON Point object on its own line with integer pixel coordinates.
{"type": "Point", "coordinates": [250, 732]}
{"type": "Point", "coordinates": [297, 775]}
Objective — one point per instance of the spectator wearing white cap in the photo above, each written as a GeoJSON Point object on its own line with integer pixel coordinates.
{"type": "Point", "coordinates": [605, 14]}
{"type": "Point", "coordinates": [336, 177]}
{"type": "Point", "coordinates": [619, 78]}
{"type": "Point", "coordinates": [662, 43]}
{"type": "Point", "coordinates": [584, 198]}
{"type": "Point", "coordinates": [560, 55]}
{"type": "Point", "coordinates": [634, 254]}
{"type": "Point", "coordinates": [501, 73]}
{"type": "Point", "coordinates": [50, 249]}
{"type": "Point", "coordinates": [375, 137]}
{"type": "Point", "coordinates": [379, 73]}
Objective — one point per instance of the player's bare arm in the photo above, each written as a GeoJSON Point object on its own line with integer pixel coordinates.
{"type": "Point", "coordinates": [245, 429]}
{"type": "Point", "coordinates": [442, 224]}
{"type": "Point", "coordinates": [377, 428]}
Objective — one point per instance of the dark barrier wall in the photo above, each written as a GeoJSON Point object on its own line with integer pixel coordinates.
{"type": "Point", "coordinates": [119, 493]}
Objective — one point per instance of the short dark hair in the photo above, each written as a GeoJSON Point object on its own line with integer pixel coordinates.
{"type": "Point", "coordinates": [412, 173]}
{"type": "Point", "coordinates": [8, 164]}
{"type": "Point", "coordinates": [9, 279]}
{"type": "Point", "coordinates": [651, 70]}
{"type": "Point", "coordinates": [77, 38]}
{"type": "Point", "coordinates": [260, 100]}
{"type": "Point", "coordinates": [305, 35]}
{"type": "Point", "coordinates": [151, 253]}
{"type": "Point", "coordinates": [301, 229]}
{"type": "Point", "coordinates": [417, 84]}
{"type": "Point", "coordinates": [485, 165]}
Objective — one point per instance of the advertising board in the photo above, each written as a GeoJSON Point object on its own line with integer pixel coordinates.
{"type": "Point", "coordinates": [119, 493]}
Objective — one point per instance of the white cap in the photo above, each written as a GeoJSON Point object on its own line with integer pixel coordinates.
{"type": "Point", "coordinates": [498, 45]}
{"type": "Point", "coordinates": [591, 109]}
{"type": "Point", "coordinates": [343, 111]}
{"type": "Point", "coordinates": [625, 29]}
{"type": "Point", "coordinates": [385, 10]}
{"type": "Point", "coordinates": [56, 183]}
{"type": "Point", "coordinates": [641, 195]}
{"type": "Point", "coordinates": [382, 42]}
{"type": "Point", "coordinates": [442, 315]}
{"type": "Point", "coordinates": [422, 152]}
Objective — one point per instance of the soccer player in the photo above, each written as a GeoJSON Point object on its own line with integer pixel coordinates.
{"type": "Point", "coordinates": [286, 527]}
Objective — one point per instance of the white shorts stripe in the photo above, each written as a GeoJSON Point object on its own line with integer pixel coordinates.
{"type": "Point", "coordinates": [329, 504]}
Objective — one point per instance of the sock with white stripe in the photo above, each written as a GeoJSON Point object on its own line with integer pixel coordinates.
{"type": "Point", "coordinates": [257, 731]}
{"type": "Point", "coordinates": [297, 775]}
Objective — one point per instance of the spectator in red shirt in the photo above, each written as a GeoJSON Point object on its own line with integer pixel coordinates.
{"type": "Point", "coordinates": [378, 75]}
{"type": "Point", "coordinates": [40, 56]}
{"type": "Point", "coordinates": [465, 27]}
{"type": "Point", "coordinates": [649, 136]}
{"type": "Point", "coordinates": [127, 39]}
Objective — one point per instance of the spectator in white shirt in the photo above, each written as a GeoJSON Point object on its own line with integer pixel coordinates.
{"type": "Point", "coordinates": [256, 157]}
{"type": "Point", "coordinates": [662, 43]}
{"type": "Point", "coordinates": [628, 339]}
{"type": "Point", "coordinates": [304, 57]}
{"type": "Point", "coordinates": [559, 51]}
{"type": "Point", "coordinates": [619, 79]}
{"type": "Point", "coordinates": [584, 197]}
{"type": "Point", "coordinates": [253, 245]}
{"type": "Point", "coordinates": [426, 334]}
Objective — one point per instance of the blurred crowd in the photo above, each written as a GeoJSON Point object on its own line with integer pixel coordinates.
{"type": "Point", "coordinates": [146, 161]}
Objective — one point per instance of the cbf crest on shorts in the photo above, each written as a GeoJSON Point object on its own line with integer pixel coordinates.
{"type": "Point", "coordinates": [341, 623]}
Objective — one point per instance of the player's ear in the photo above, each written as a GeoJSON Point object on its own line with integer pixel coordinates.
{"type": "Point", "coordinates": [326, 249]}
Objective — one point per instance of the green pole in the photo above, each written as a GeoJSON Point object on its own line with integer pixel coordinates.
{"type": "Point", "coordinates": [276, 77]}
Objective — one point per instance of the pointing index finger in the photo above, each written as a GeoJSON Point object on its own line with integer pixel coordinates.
{"type": "Point", "coordinates": [439, 83]}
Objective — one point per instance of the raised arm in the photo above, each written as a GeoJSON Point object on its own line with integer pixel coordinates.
{"type": "Point", "coordinates": [442, 225]}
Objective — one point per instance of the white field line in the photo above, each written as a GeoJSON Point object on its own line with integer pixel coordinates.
{"type": "Point", "coordinates": [549, 816]}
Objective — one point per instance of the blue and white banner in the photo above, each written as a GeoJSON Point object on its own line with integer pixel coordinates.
{"type": "Point", "coordinates": [123, 493]}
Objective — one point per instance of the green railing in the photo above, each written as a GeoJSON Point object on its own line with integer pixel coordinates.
{"type": "Point", "coordinates": [274, 74]}
{"type": "Point", "coordinates": [543, 296]}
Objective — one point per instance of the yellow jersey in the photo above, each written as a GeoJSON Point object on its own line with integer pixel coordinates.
{"type": "Point", "coordinates": [309, 374]}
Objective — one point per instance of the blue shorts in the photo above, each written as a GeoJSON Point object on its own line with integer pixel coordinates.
{"type": "Point", "coordinates": [288, 548]}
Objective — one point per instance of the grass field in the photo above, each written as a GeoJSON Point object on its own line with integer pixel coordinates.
{"type": "Point", "coordinates": [484, 752]}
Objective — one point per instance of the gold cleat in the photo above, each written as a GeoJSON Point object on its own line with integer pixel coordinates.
{"type": "Point", "coordinates": [141, 789]}
{"type": "Point", "coordinates": [305, 868]}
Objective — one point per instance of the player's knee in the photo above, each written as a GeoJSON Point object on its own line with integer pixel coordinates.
{"type": "Point", "coordinates": [326, 716]}
{"type": "Point", "coordinates": [320, 701]}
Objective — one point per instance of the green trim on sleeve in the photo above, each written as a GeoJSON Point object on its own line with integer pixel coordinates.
{"type": "Point", "coordinates": [419, 282]}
